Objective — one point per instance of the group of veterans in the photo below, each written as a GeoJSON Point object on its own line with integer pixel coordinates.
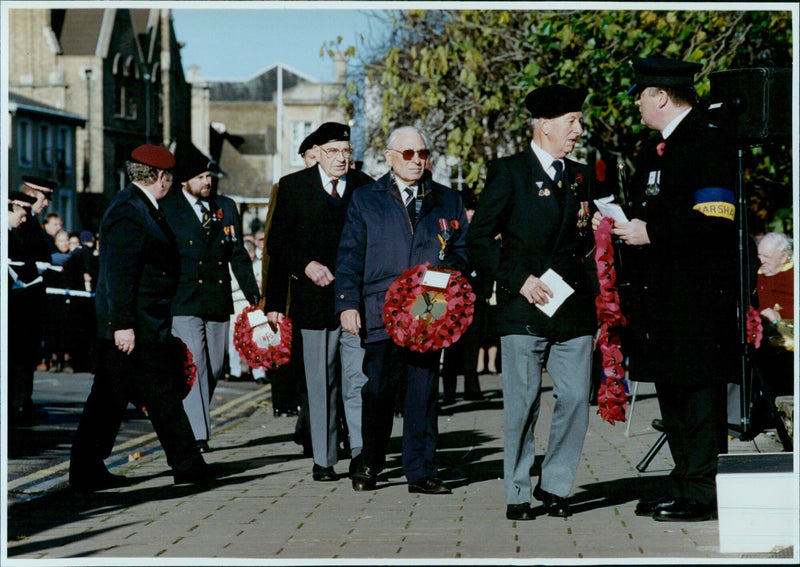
{"type": "Point", "coordinates": [337, 239]}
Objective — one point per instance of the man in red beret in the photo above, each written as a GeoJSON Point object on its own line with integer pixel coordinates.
{"type": "Point", "coordinates": [538, 200]}
{"type": "Point", "coordinates": [138, 360]}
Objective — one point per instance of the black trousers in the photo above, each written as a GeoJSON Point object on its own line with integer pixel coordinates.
{"type": "Point", "coordinates": [387, 367]}
{"type": "Point", "coordinates": [147, 377]}
{"type": "Point", "coordinates": [695, 422]}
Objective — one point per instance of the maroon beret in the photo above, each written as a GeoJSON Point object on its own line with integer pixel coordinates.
{"type": "Point", "coordinates": [154, 156]}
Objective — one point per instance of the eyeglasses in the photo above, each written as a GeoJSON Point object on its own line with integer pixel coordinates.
{"type": "Point", "coordinates": [334, 152]}
{"type": "Point", "coordinates": [408, 155]}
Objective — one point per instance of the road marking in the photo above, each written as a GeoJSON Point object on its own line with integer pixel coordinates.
{"type": "Point", "coordinates": [141, 440]}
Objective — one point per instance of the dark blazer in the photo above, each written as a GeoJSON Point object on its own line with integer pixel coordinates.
{"type": "Point", "coordinates": [204, 288]}
{"type": "Point", "coordinates": [305, 227]}
{"type": "Point", "coordinates": [378, 244]}
{"type": "Point", "coordinates": [139, 265]}
{"type": "Point", "coordinates": [538, 232]}
{"type": "Point", "coordinates": [684, 284]}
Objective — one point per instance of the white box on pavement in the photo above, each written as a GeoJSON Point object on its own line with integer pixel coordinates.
{"type": "Point", "coordinates": [757, 501]}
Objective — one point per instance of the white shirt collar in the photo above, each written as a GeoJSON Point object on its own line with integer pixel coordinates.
{"type": "Point", "coordinates": [674, 124]}
{"type": "Point", "coordinates": [326, 182]}
{"type": "Point", "coordinates": [545, 159]}
{"type": "Point", "coordinates": [149, 195]}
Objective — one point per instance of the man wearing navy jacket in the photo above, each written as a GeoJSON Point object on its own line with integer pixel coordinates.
{"type": "Point", "coordinates": [209, 235]}
{"type": "Point", "coordinates": [392, 225]}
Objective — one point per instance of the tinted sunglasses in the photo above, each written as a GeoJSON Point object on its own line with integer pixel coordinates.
{"type": "Point", "coordinates": [408, 155]}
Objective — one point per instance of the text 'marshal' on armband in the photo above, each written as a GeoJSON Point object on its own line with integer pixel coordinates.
{"type": "Point", "coordinates": [715, 202]}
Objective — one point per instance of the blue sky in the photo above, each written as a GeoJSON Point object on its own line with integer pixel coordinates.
{"type": "Point", "coordinates": [232, 43]}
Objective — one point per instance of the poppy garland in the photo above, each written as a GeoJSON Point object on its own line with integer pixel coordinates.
{"type": "Point", "coordinates": [612, 399]}
{"type": "Point", "coordinates": [255, 355]}
{"type": "Point", "coordinates": [189, 369]}
{"type": "Point", "coordinates": [423, 318]}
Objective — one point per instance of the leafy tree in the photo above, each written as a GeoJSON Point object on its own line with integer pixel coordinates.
{"type": "Point", "coordinates": [462, 75]}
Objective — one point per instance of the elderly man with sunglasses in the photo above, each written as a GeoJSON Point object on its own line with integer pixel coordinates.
{"type": "Point", "coordinates": [302, 243]}
{"type": "Point", "coordinates": [392, 225]}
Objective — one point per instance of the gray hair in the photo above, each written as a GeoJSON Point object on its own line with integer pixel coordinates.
{"type": "Point", "coordinates": [780, 242]}
{"type": "Point", "coordinates": [141, 172]}
{"type": "Point", "coordinates": [405, 130]}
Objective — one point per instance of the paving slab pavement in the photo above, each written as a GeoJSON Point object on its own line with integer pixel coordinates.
{"type": "Point", "coordinates": [266, 508]}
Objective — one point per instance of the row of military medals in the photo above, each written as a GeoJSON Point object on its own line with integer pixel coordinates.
{"type": "Point", "coordinates": [653, 188]}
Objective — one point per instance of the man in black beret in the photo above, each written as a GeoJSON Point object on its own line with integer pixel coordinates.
{"type": "Point", "coordinates": [538, 201]}
{"type": "Point", "coordinates": [302, 245]}
{"type": "Point", "coordinates": [681, 254]}
{"type": "Point", "coordinates": [139, 360]}
{"type": "Point", "coordinates": [209, 234]}
{"type": "Point", "coordinates": [306, 150]}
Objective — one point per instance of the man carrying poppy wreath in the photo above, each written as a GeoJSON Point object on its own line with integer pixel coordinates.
{"type": "Point", "coordinates": [394, 224]}
{"type": "Point", "coordinates": [680, 251]}
{"type": "Point", "coordinates": [538, 201]}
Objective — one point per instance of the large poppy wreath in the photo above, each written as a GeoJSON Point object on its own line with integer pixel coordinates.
{"type": "Point", "coordinates": [423, 318]}
{"type": "Point", "coordinates": [257, 356]}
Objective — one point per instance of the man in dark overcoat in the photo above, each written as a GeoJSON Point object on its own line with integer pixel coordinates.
{"type": "Point", "coordinates": [392, 225]}
{"type": "Point", "coordinates": [680, 250]}
{"type": "Point", "coordinates": [302, 244]}
{"type": "Point", "coordinates": [137, 357]}
{"type": "Point", "coordinates": [538, 201]}
{"type": "Point", "coordinates": [209, 235]}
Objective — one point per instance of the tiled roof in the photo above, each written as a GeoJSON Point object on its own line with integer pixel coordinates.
{"type": "Point", "coordinates": [80, 32]}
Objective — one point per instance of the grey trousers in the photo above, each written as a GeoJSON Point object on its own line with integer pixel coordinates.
{"type": "Point", "coordinates": [320, 350]}
{"type": "Point", "coordinates": [569, 365]}
{"type": "Point", "coordinates": [207, 341]}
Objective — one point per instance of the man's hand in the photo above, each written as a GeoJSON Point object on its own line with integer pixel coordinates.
{"type": "Point", "coordinates": [770, 315]}
{"type": "Point", "coordinates": [596, 218]}
{"type": "Point", "coordinates": [536, 291]}
{"type": "Point", "coordinates": [274, 318]}
{"type": "Point", "coordinates": [319, 273]}
{"type": "Point", "coordinates": [125, 339]}
{"type": "Point", "coordinates": [351, 321]}
{"type": "Point", "coordinates": [633, 232]}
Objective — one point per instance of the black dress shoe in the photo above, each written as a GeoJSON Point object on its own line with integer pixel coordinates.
{"type": "Point", "coordinates": [284, 413]}
{"type": "Point", "coordinates": [355, 464]}
{"type": "Point", "coordinates": [685, 511]}
{"type": "Point", "coordinates": [474, 397]}
{"type": "Point", "coordinates": [364, 479]}
{"type": "Point", "coordinates": [202, 446]}
{"type": "Point", "coordinates": [649, 507]}
{"type": "Point", "coordinates": [554, 505]}
{"type": "Point", "coordinates": [520, 512]}
{"type": "Point", "coordinates": [324, 474]}
{"type": "Point", "coordinates": [657, 424]}
{"type": "Point", "coordinates": [428, 485]}
{"type": "Point", "coordinates": [97, 479]}
{"type": "Point", "coordinates": [201, 476]}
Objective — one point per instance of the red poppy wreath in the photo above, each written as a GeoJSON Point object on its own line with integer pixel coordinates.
{"type": "Point", "coordinates": [184, 386]}
{"type": "Point", "coordinates": [422, 318]}
{"type": "Point", "coordinates": [260, 346]}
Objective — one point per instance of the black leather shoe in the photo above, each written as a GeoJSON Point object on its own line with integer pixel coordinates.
{"type": "Point", "coordinates": [428, 485]}
{"type": "Point", "coordinates": [324, 474]}
{"type": "Point", "coordinates": [649, 507]}
{"type": "Point", "coordinates": [355, 464]}
{"type": "Point", "coordinates": [520, 512]}
{"type": "Point", "coordinates": [98, 479]}
{"type": "Point", "coordinates": [474, 397]}
{"type": "Point", "coordinates": [201, 476]}
{"type": "Point", "coordinates": [364, 479]}
{"type": "Point", "coordinates": [202, 446]}
{"type": "Point", "coordinates": [554, 505]}
{"type": "Point", "coordinates": [657, 424]}
{"type": "Point", "coordinates": [685, 511]}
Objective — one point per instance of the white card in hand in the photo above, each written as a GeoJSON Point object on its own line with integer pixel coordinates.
{"type": "Point", "coordinates": [608, 208]}
{"type": "Point", "coordinates": [436, 279]}
{"type": "Point", "coordinates": [561, 291]}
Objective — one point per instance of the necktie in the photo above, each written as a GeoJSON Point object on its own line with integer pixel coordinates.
{"type": "Point", "coordinates": [559, 167]}
{"type": "Point", "coordinates": [205, 218]}
{"type": "Point", "coordinates": [411, 205]}
{"type": "Point", "coordinates": [334, 192]}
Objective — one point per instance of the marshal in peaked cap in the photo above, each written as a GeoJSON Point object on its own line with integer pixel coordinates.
{"type": "Point", "coordinates": [554, 100]}
{"type": "Point", "coordinates": [191, 162]}
{"type": "Point", "coordinates": [39, 183]}
{"type": "Point", "coordinates": [20, 198]}
{"type": "Point", "coordinates": [662, 72]}
{"type": "Point", "coordinates": [154, 156]}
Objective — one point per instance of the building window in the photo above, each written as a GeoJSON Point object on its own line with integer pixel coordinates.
{"type": "Point", "coordinates": [45, 145]}
{"type": "Point", "coordinates": [25, 143]}
{"type": "Point", "coordinates": [64, 148]}
{"type": "Point", "coordinates": [299, 132]}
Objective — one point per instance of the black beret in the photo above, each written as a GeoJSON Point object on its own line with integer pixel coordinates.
{"type": "Point", "coordinates": [191, 162]}
{"type": "Point", "coordinates": [19, 198]}
{"type": "Point", "coordinates": [554, 100]}
{"type": "Point", "coordinates": [330, 132]}
{"type": "Point", "coordinates": [306, 144]}
{"type": "Point", "coordinates": [39, 183]}
{"type": "Point", "coordinates": [154, 156]}
{"type": "Point", "coordinates": [662, 72]}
